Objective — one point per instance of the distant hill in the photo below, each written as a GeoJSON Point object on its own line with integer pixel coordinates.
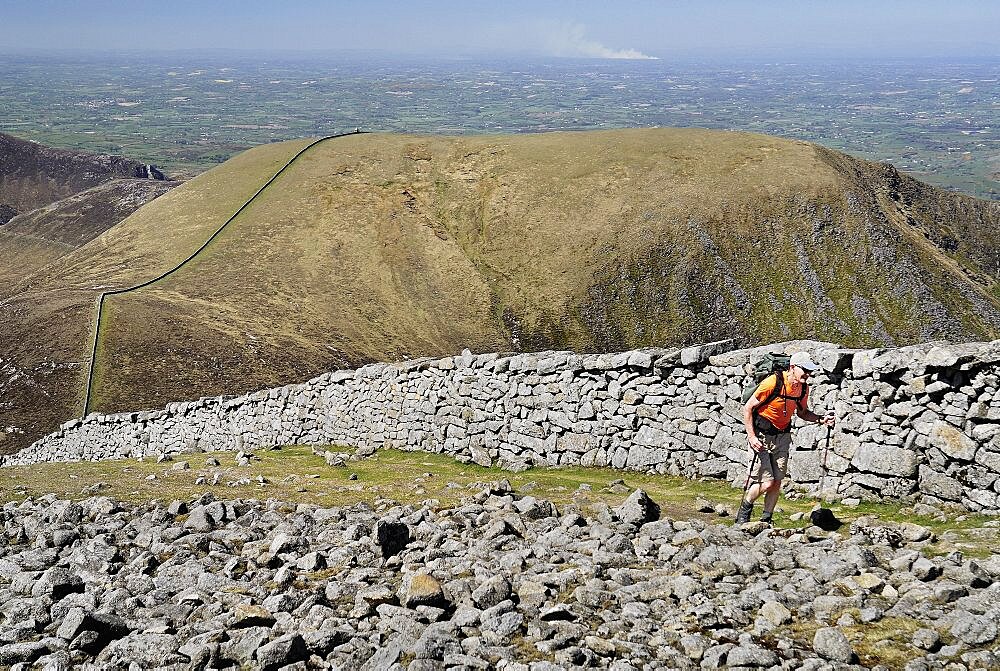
{"type": "Point", "coordinates": [33, 175]}
{"type": "Point", "coordinates": [383, 247]}
{"type": "Point", "coordinates": [54, 200]}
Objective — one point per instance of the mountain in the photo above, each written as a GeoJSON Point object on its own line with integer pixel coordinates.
{"type": "Point", "coordinates": [33, 175]}
{"type": "Point", "coordinates": [53, 201]}
{"type": "Point", "coordinates": [383, 247]}
{"type": "Point", "coordinates": [34, 239]}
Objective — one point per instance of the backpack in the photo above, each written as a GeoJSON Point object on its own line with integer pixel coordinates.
{"type": "Point", "coordinates": [769, 364]}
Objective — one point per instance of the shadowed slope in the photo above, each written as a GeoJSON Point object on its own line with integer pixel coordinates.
{"type": "Point", "coordinates": [33, 175]}
{"type": "Point", "coordinates": [380, 247]}
{"type": "Point", "coordinates": [35, 239]}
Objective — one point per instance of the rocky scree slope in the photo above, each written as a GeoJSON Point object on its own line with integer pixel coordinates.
{"type": "Point", "coordinates": [386, 247]}
{"type": "Point", "coordinates": [504, 580]}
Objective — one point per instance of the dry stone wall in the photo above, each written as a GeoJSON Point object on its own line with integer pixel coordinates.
{"type": "Point", "coordinates": [914, 423]}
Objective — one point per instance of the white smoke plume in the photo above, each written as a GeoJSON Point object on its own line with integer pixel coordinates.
{"type": "Point", "coordinates": [570, 40]}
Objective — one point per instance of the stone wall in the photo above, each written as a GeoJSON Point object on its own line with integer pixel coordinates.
{"type": "Point", "coordinates": [916, 423]}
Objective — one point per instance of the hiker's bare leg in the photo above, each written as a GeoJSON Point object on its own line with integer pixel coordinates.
{"type": "Point", "coordinates": [756, 490]}
{"type": "Point", "coordinates": [771, 497]}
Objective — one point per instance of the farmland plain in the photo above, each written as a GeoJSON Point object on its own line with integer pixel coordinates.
{"type": "Point", "coordinates": [188, 111]}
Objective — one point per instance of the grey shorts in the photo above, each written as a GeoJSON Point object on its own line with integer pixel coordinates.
{"type": "Point", "coordinates": [772, 461]}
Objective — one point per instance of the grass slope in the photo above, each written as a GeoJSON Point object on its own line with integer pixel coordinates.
{"type": "Point", "coordinates": [382, 247]}
{"type": "Point", "coordinates": [48, 322]}
{"type": "Point", "coordinates": [35, 239]}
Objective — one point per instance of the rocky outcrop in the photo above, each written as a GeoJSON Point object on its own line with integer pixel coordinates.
{"type": "Point", "coordinates": [478, 586]}
{"type": "Point", "coordinates": [33, 175]}
{"type": "Point", "coordinates": [919, 423]}
{"type": "Point", "coordinates": [6, 213]}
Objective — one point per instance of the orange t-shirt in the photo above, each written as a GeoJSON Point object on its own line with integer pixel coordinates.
{"type": "Point", "coordinates": [780, 410]}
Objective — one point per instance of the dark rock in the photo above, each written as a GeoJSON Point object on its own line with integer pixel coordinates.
{"type": "Point", "coordinates": [391, 536]}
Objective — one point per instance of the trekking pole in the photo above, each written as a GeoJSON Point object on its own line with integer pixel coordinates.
{"type": "Point", "coordinates": [753, 462]}
{"type": "Point", "coordinates": [826, 451]}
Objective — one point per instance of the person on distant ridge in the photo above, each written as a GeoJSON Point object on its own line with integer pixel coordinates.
{"type": "Point", "coordinates": [767, 418]}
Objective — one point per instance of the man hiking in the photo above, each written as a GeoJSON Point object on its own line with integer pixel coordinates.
{"type": "Point", "coordinates": [767, 418]}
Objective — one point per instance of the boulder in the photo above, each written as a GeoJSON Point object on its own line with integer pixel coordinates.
{"type": "Point", "coordinates": [422, 589]}
{"type": "Point", "coordinates": [248, 615]}
{"type": "Point", "coordinates": [57, 583]}
{"type": "Point", "coordinates": [831, 643]}
{"type": "Point", "coordinates": [638, 509]}
{"type": "Point", "coordinates": [282, 651]}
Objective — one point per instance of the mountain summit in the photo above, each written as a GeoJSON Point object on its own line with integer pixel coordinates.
{"type": "Point", "coordinates": [384, 247]}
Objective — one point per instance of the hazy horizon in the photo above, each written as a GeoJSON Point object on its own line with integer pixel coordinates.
{"type": "Point", "coordinates": [634, 30]}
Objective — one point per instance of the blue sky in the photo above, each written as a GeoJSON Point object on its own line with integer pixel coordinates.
{"type": "Point", "coordinates": [587, 28]}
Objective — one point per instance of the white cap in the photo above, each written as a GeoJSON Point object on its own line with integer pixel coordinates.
{"type": "Point", "coordinates": [803, 361]}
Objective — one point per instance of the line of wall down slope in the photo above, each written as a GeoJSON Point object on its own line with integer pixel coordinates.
{"type": "Point", "coordinates": [914, 423]}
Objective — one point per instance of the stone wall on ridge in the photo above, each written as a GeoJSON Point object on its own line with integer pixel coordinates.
{"type": "Point", "coordinates": [914, 423]}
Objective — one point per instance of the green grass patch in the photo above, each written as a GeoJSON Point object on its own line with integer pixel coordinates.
{"type": "Point", "coordinates": [886, 642]}
{"type": "Point", "coordinates": [295, 475]}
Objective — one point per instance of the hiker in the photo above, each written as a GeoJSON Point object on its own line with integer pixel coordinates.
{"type": "Point", "coordinates": [767, 418]}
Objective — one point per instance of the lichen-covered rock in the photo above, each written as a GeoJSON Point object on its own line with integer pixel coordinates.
{"type": "Point", "coordinates": [423, 589]}
{"type": "Point", "coordinates": [831, 643]}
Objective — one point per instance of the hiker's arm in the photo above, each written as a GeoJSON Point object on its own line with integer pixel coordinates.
{"type": "Point", "coordinates": [748, 409]}
{"type": "Point", "coordinates": [810, 416]}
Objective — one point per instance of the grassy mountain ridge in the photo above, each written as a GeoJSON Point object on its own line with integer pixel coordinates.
{"type": "Point", "coordinates": [48, 317]}
{"type": "Point", "coordinates": [35, 239]}
{"type": "Point", "coordinates": [382, 247]}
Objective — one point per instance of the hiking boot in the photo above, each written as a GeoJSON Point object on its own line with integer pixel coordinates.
{"type": "Point", "coordinates": [743, 514]}
{"type": "Point", "coordinates": [767, 517]}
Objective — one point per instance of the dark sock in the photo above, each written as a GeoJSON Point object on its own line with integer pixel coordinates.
{"type": "Point", "coordinates": [766, 516]}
